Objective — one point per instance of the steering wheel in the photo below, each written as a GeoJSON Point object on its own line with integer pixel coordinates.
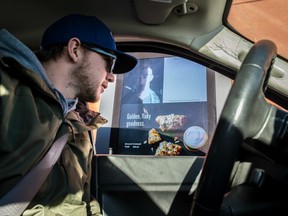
{"type": "Point", "coordinates": [246, 114]}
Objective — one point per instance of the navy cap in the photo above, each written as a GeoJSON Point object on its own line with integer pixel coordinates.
{"type": "Point", "coordinates": [89, 30]}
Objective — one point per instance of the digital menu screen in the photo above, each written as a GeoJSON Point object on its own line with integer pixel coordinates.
{"type": "Point", "coordinates": [165, 109]}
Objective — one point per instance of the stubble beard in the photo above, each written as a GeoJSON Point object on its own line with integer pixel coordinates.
{"type": "Point", "coordinates": [85, 88]}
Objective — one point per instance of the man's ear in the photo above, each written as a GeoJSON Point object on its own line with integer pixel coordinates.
{"type": "Point", "coordinates": [73, 49]}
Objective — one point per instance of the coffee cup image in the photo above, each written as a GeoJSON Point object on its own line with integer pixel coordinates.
{"type": "Point", "coordinates": [194, 138]}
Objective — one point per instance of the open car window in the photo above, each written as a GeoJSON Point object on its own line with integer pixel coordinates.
{"type": "Point", "coordinates": [166, 96]}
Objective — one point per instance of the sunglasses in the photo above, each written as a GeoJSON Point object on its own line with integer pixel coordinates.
{"type": "Point", "coordinates": [108, 57]}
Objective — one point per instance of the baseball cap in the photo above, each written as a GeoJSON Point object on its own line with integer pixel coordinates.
{"type": "Point", "coordinates": [89, 30]}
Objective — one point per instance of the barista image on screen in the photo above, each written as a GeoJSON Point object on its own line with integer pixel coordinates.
{"type": "Point", "coordinates": [144, 92]}
{"type": "Point", "coordinates": [140, 86]}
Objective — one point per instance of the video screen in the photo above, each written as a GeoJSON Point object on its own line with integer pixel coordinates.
{"type": "Point", "coordinates": [164, 109]}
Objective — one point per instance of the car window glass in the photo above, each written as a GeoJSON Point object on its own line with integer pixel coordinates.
{"type": "Point", "coordinates": [258, 20]}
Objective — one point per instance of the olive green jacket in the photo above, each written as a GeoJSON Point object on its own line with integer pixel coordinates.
{"type": "Point", "coordinates": [31, 118]}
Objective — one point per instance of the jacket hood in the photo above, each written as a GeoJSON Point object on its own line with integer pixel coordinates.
{"type": "Point", "coordinates": [12, 47]}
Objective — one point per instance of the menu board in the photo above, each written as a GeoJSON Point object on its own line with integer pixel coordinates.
{"type": "Point", "coordinates": [168, 95]}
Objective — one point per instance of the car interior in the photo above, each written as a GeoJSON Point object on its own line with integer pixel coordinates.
{"type": "Point", "coordinates": [225, 84]}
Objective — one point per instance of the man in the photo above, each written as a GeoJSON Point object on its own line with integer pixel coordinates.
{"type": "Point", "coordinates": [41, 101]}
{"type": "Point", "coordinates": [145, 93]}
{"type": "Point", "coordinates": [137, 86]}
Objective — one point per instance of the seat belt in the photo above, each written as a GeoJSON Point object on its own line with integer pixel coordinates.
{"type": "Point", "coordinates": [16, 200]}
